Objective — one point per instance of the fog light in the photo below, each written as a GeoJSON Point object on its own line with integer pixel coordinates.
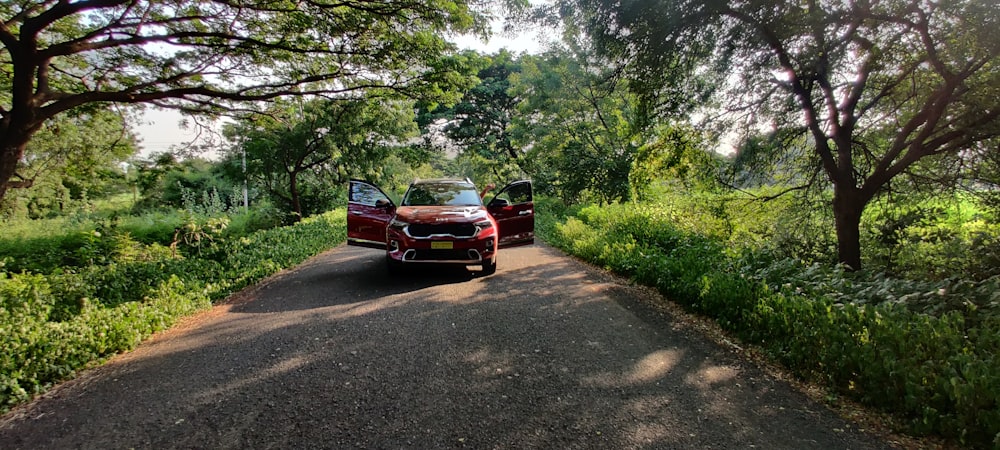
{"type": "Point", "coordinates": [489, 244]}
{"type": "Point", "coordinates": [394, 245]}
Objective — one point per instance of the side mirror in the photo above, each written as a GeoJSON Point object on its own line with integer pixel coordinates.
{"type": "Point", "coordinates": [499, 203]}
{"type": "Point", "coordinates": [382, 203]}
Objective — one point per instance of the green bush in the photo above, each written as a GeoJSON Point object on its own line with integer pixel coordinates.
{"type": "Point", "coordinates": [934, 238]}
{"type": "Point", "coordinates": [262, 216]}
{"type": "Point", "coordinates": [97, 245]}
{"type": "Point", "coordinates": [924, 351]}
{"type": "Point", "coordinates": [39, 351]}
{"type": "Point", "coordinates": [153, 227]}
{"type": "Point", "coordinates": [54, 324]}
{"type": "Point", "coordinates": [44, 246]}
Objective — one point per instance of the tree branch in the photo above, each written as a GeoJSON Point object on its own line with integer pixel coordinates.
{"type": "Point", "coordinates": [62, 9]}
{"type": "Point", "coordinates": [798, 90]}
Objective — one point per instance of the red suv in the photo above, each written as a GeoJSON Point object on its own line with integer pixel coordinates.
{"type": "Point", "coordinates": [440, 221]}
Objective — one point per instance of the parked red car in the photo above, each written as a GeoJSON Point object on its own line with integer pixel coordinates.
{"type": "Point", "coordinates": [440, 221]}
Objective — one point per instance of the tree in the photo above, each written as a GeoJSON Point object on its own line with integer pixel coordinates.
{"type": "Point", "coordinates": [327, 141]}
{"type": "Point", "coordinates": [579, 124]}
{"type": "Point", "coordinates": [674, 154]}
{"type": "Point", "coordinates": [203, 56]}
{"type": "Point", "coordinates": [75, 156]}
{"type": "Point", "coordinates": [483, 117]}
{"type": "Point", "coordinates": [877, 86]}
{"type": "Point", "coordinates": [193, 184]}
{"type": "Point", "coordinates": [148, 173]}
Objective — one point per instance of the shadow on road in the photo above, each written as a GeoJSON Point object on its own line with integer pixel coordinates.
{"type": "Point", "coordinates": [347, 275]}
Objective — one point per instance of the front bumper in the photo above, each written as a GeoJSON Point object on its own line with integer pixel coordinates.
{"type": "Point", "coordinates": [470, 251]}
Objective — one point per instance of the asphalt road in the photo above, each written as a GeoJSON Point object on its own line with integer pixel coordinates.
{"type": "Point", "coordinates": [547, 353]}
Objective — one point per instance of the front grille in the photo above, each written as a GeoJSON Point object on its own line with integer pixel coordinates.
{"type": "Point", "coordinates": [422, 230]}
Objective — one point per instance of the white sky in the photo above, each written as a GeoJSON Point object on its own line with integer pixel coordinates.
{"type": "Point", "coordinates": [160, 130]}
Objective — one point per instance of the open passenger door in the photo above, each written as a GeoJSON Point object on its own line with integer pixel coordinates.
{"type": "Point", "coordinates": [514, 212]}
{"type": "Point", "coordinates": [369, 211]}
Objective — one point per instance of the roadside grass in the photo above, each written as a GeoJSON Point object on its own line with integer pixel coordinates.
{"type": "Point", "coordinates": [72, 296]}
{"type": "Point", "coordinates": [923, 351]}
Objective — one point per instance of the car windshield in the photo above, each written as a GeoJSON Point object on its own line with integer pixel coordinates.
{"type": "Point", "coordinates": [442, 194]}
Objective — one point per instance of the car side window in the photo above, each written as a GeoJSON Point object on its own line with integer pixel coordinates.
{"type": "Point", "coordinates": [516, 194]}
{"type": "Point", "coordinates": [365, 194]}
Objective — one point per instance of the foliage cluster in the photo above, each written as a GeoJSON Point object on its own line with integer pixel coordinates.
{"type": "Point", "coordinates": [57, 318]}
{"type": "Point", "coordinates": [578, 127]}
{"type": "Point", "coordinates": [59, 57]}
{"type": "Point", "coordinates": [295, 152]}
{"type": "Point", "coordinates": [80, 240]}
{"type": "Point", "coordinates": [935, 238]}
{"type": "Point", "coordinates": [566, 122]}
{"type": "Point", "coordinates": [194, 184]}
{"type": "Point", "coordinates": [73, 159]}
{"type": "Point", "coordinates": [861, 98]}
{"type": "Point", "coordinates": [885, 342]}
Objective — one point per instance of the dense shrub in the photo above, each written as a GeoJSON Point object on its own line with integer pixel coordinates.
{"type": "Point", "coordinates": [194, 185]}
{"type": "Point", "coordinates": [262, 216]}
{"type": "Point", "coordinates": [93, 245]}
{"type": "Point", "coordinates": [42, 345]}
{"type": "Point", "coordinates": [44, 246]}
{"type": "Point", "coordinates": [973, 299]}
{"type": "Point", "coordinates": [54, 324]}
{"type": "Point", "coordinates": [934, 238]}
{"type": "Point", "coordinates": [152, 227]}
{"type": "Point", "coordinates": [924, 351]}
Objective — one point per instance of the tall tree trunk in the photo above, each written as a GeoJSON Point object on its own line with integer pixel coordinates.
{"type": "Point", "coordinates": [10, 155]}
{"type": "Point", "coordinates": [15, 132]}
{"type": "Point", "coordinates": [293, 191]}
{"type": "Point", "coordinates": [848, 205]}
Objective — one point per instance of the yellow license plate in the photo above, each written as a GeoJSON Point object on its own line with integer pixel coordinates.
{"type": "Point", "coordinates": [442, 245]}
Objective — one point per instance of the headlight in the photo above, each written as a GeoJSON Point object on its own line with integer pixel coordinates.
{"type": "Point", "coordinates": [483, 226]}
{"type": "Point", "coordinates": [397, 224]}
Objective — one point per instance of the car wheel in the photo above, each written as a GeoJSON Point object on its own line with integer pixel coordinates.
{"type": "Point", "coordinates": [393, 267]}
{"type": "Point", "coordinates": [490, 267]}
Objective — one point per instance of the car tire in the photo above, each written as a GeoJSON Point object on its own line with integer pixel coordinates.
{"type": "Point", "coordinates": [490, 266]}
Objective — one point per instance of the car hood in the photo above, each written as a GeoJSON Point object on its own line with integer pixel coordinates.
{"type": "Point", "coordinates": [441, 214]}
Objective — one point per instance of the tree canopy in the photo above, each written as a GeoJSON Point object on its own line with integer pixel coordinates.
{"type": "Point", "coordinates": [578, 125]}
{"type": "Point", "coordinates": [484, 115]}
{"type": "Point", "coordinates": [208, 56]}
{"type": "Point", "coordinates": [75, 156]}
{"type": "Point", "coordinates": [307, 147]}
{"type": "Point", "coordinates": [876, 86]}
